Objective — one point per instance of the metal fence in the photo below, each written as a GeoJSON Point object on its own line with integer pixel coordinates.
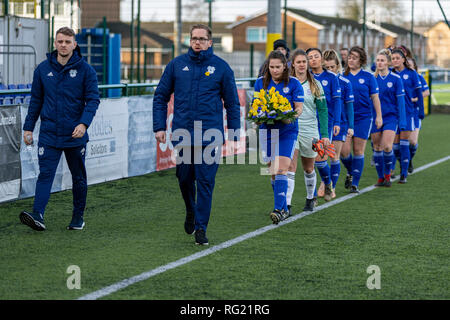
{"type": "Point", "coordinates": [20, 56]}
{"type": "Point", "coordinates": [129, 89]}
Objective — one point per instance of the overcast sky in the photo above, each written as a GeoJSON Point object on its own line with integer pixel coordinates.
{"type": "Point", "coordinates": [228, 10]}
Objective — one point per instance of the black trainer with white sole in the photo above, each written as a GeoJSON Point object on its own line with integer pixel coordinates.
{"type": "Point", "coordinates": [200, 238]}
{"type": "Point", "coordinates": [33, 220]}
{"type": "Point", "coordinates": [77, 223]}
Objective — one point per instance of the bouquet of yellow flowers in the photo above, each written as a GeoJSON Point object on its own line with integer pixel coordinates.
{"type": "Point", "coordinates": [271, 106]}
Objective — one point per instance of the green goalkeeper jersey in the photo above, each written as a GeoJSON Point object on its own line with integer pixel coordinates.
{"type": "Point", "coordinates": [312, 107]}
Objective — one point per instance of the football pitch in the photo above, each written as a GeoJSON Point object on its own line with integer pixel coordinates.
{"type": "Point", "coordinates": [441, 94]}
{"type": "Point", "coordinates": [135, 225]}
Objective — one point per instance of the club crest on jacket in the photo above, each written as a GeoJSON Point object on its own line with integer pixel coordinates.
{"type": "Point", "coordinates": [73, 73]}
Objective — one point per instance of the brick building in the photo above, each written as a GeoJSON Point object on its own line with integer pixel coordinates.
{"type": "Point", "coordinates": [438, 49]}
{"type": "Point", "coordinates": [93, 11]}
{"type": "Point", "coordinates": [305, 30]}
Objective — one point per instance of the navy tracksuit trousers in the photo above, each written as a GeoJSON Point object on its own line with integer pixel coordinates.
{"type": "Point", "coordinates": [48, 162]}
{"type": "Point", "coordinates": [196, 180]}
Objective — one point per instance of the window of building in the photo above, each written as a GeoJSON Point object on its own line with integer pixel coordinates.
{"type": "Point", "coordinates": [18, 8]}
{"type": "Point", "coordinates": [59, 8]}
{"type": "Point", "coordinates": [187, 40]}
{"type": "Point", "coordinates": [30, 8]}
{"type": "Point", "coordinates": [256, 34]}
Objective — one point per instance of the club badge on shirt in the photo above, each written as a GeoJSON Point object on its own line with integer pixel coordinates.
{"type": "Point", "coordinates": [389, 84]}
{"type": "Point", "coordinates": [361, 81]}
{"type": "Point", "coordinates": [210, 70]}
{"type": "Point", "coordinates": [324, 83]}
{"type": "Point", "coordinates": [286, 89]}
{"type": "Point", "coordinates": [73, 73]}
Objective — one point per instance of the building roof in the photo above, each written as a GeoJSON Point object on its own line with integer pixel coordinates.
{"type": "Point", "coordinates": [397, 29]}
{"type": "Point", "coordinates": [320, 21]}
{"type": "Point", "coordinates": [326, 20]}
{"type": "Point", "coordinates": [166, 27]}
{"type": "Point", "coordinates": [124, 29]}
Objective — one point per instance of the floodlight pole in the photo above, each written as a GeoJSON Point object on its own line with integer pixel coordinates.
{"type": "Point", "coordinates": [273, 24]}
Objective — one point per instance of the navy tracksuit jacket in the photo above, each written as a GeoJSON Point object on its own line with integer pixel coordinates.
{"type": "Point", "coordinates": [202, 84]}
{"type": "Point", "coordinates": [63, 97]}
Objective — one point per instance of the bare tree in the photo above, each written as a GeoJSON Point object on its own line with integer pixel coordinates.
{"type": "Point", "coordinates": [390, 11]}
{"type": "Point", "coordinates": [195, 10]}
{"type": "Point", "coordinates": [350, 9]}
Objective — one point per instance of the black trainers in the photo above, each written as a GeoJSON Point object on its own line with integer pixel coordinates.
{"type": "Point", "coordinates": [348, 181]}
{"type": "Point", "coordinates": [411, 167]}
{"type": "Point", "coordinates": [380, 183]}
{"type": "Point", "coordinates": [77, 223]}
{"type": "Point", "coordinates": [309, 205]}
{"type": "Point", "coordinates": [189, 223]}
{"type": "Point", "coordinates": [276, 216]}
{"type": "Point", "coordinates": [387, 183]}
{"type": "Point", "coordinates": [289, 210]}
{"type": "Point", "coordinates": [354, 189]}
{"type": "Point", "coordinates": [328, 192]}
{"type": "Point", "coordinates": [402, 180]}
{"type": "Point", "coordinates": [200, 237]}
{"type": "Point", "coordinates": [34, 220]}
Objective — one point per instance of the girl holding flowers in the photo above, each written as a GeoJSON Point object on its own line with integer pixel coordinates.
{"type": "Point", "coordinates": [277, 104]}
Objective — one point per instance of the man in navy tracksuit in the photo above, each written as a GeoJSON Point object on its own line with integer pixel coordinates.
{"type": "Point", "coordinates": [65, 96]}
{"type": "Point", "coordinates": [199, 81]}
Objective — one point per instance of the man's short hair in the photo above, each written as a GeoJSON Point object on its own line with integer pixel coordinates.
{"type": "Point", "coordinates": [204, 27]}
{"type": "Point", "coordinates": [346, 49]}
{"type": "Point", "coordinates": [66, 31]}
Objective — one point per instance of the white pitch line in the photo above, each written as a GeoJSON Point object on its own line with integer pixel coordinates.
{"type": "Point", "coordinates": [146, 275]}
